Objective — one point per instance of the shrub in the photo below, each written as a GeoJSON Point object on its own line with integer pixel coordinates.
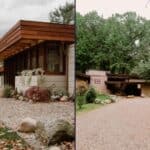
{"type": "Point", "coordinates": [80, 99]}
{"type": "Point", "coordinates": [56, 91]}
{"type": "Point", "coordinates": [81, 90]}
{"type": "Point", "coordinates": [90, 95]}
{"type": "Point", "coordinates": [14, 93]}
{"type": "Point", "coordinates": [80, 96]}
{"type": "Point", "coordinates": [38, 94]}
{"type": "Point", "coordinates": [7, 91]}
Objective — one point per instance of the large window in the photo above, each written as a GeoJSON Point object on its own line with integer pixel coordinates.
{"type": "Point", "coordinates": [55, 59]}
{"type": "Point", "coordinates": [51, 57]}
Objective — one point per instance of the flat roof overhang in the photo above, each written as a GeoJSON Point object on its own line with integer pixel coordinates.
{"type": "Point", "coordinates": [130, 81]}
{"type": "Point", "coordinates": [26, 34]}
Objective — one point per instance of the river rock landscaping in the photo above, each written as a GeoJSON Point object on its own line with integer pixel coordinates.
{"type": "Point", "coordinates": [13, 112]}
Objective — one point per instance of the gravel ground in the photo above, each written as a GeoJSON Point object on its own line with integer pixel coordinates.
{"type": "Point", "coordinates": [13, 111]}
{"type": "Point", "coordinates": [124, 125]}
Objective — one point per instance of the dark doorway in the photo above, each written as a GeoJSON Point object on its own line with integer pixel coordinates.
{"type": "Point", "coordinates": [13, 66]}
{"type": "Point", "coordinates": [132, 89]}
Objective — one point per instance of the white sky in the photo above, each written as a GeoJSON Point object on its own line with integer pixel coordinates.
{"type": "Point", "coordinates": [109, 7]}
{"type": "Point", "coordinates": [11, 11]}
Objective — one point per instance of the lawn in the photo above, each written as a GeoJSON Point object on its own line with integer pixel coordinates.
{"type": "Point", "coordinates": [101, 98]}
{"type": "Point", "coordinates": [88, 107]}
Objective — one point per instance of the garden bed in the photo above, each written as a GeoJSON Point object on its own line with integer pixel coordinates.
{"type": "Point", "coordinates": [9, 139]}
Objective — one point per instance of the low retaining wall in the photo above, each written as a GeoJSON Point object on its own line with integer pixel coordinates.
{"type": "Point", "coordinates": [24, 82]}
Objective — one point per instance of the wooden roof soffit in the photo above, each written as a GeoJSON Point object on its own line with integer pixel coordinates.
{"type": "Point", "coordinates": [26, 34]}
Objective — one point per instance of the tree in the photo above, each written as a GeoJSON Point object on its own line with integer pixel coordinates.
{"type": "Point", "coordinates": [63, 14]}
{"type": "Point", "coordinates": [86, 27]}
{"type": "Point", "coordinates": [109, 44]}
{"type": "Point", "coordinates": [142, 69]}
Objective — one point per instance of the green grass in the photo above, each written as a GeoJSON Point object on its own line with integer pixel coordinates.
{"type": "Point", "coordinates": [82, 104]}
{"type": "Point", "coordinates": [88, 107]}
{"type": "Point", "coordinates": [103, 96]}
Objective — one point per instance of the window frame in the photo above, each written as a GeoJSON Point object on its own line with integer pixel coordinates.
{"type": "Point", "coordinates": [47, 47]}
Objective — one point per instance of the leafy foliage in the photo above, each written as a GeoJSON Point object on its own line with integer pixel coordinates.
{"type": "Point", "coordinates": [7, 91]}
{"type": "Point", "coordinates": [63, 14]}
{"type": "Point", "coordinates": [80, 100]}
{"type": "Point", "coordinates": [143, 70]}
{"type": "Point", "coordinates": [109, 44]}
{"type": "Point", "coordinates": [80, 96]}
{"type": "Point", "coordinates": [90, 95]}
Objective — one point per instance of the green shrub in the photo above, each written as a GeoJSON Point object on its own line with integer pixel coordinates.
{"type": "Point", "coordinates": [81, 90]}
{"type": "Point", "coordinates": [80, 96]}
{"type": "Point", "coordinates": [80, 99]}
{"type": "Point", "coordinates": [7, 91]}
{"type": "Point", "coordinates": [53, 90]}
{"type": "Point", "coordinates": [90, 95]}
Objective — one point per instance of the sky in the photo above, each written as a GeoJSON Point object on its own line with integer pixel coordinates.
{"type": "Point", "coordinates": [13, 10]}
{"type": "Point", "coordinates": [109, 7]}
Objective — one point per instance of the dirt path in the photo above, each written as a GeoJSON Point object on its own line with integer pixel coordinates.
{"type": "Point", "coordinates": [124, 125]}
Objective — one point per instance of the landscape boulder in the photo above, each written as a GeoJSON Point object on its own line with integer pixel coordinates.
{"type": "Point", "coordinates": [54, 148]}
{"type": "Point", "coordinates": [55, 98]}
{"type": "Point", "coordinates": [27, 125]}
{"type": "Point", "coordinates": [55, 132]}
{"type": "Point", "coordinates": [21, 98]}
{"type": "Point", "coordinates": [64, 98]}
{"type": "Point", "coordinates": [107, 101]}
{"type": "Point", "coordinates": [98, 101]}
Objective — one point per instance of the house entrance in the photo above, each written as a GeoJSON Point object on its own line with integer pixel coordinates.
{"type": "Point", "coordinates": [132, 89]}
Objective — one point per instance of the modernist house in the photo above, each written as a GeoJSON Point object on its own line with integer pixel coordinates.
{"type": "Point", "coordinates": [29, 45]}
{"type": "Point", "coordinates": [105, 82]}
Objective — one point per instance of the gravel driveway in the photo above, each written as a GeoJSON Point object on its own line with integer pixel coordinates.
{"type": "Point", "coordinates": [124, 125]}
{"type": "Point", "coordinates": [13, 111]}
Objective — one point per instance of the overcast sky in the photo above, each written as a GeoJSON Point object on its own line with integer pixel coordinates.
{"type": "Point", "coordinates": [109, 7]}
{"type": "Point", "coordinates": [13, 10]}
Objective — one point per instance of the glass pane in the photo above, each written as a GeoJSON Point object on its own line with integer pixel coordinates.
{"type": "Point", "coordinates": [55, 59]}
